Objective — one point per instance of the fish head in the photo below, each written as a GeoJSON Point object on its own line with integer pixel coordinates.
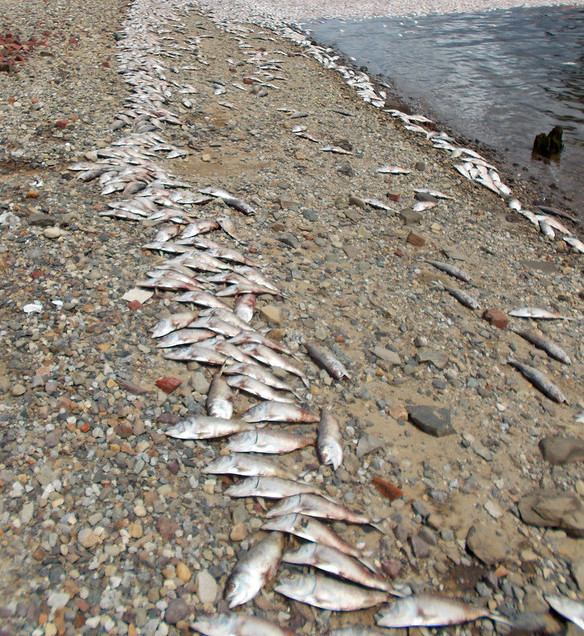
{"type": "Point", "coordinates": [332, 455]}
{"type": "Point", "coordinates": [282, 524]}
{"type": "Point", "coordinates": [211, 625]}
{"type": "Point", "coordinates": [286, 506]}
{"type": "Point", "coordinates": [244, 488]}
{"type": "Point", "coordinates": [303, 554]}
{"type": "Point", "coordinates": [400, 613]}
{"type": "Point", "coordinates": [219, 464]}
{"type": "Point", "coordinates": [242, 442]}
{"type": "Point", "coordinates": [236, 591]}
{"type": "Point", "coordinates": [297, 585]}
{"type": "Point", "coordinates": [179, 431]}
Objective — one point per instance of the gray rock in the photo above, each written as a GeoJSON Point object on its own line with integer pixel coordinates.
{"type": "Point", "coordinates": [40, 219]}
{"type": "Point", "coordinates": [438, 358]}
{"type": "Point", "coordinates": [177, 610]}
{"type": "Point", "coordinates": [553, 509]}
{"type": "Point", "coordinates": [433, 420]}
{"type": "Point", "coordinates": [577, 569]}
{"type": "Point", "coordinates": [289, 239]}
{"type": "Point", "coordinates": [562, 450]}
{"type": "Point", "coordinates": [483, 541]}
{"type": "Point", "coordinates": [420, 547]}
{"type": "Point", "coordinates": [386, 355]}
{"type": "Point", "coordinates": [369, 443]}
{"type": "Point", "coordinates": [409, 217]}
{"type": "Point", "coordinates": [206, 587]}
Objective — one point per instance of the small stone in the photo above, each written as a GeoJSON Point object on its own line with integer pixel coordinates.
{"type": "Point", "coordinates": [177, 610]}
{"type": "Point", "coordinates": [496, 318]}
{"type": "Point", "coordinates": [562, 450]}
{"type": "Point", "coordinates": [238, 532]}
{"type": "Point", "coordinates": [410, 217]}
{"type": "Point", "coordinates": [391, 357]}
{"type": "Point", "coordinates": [57, 600]}
{"type": "Point", "coordinates": [438, 358]}
{"type": "Point", "coordinates": [577, 569]}
{"type": "Point", "coordinates": [355, 200]}
{"type": "Point", "coordinates": [40, 219]}
{"type": "Point", "coordinates": [52, 232]}
{"type": "Point", "coordinates": [135, 530]}
{"type": "Point", "coordinates": [168, 384]}
{"type": "Point", "coordinates": [183, 572]}
{"type": "Point", "coordinates": [420, 547]}
{"type": "Point", "coordinates": [18, 390]}
{"type": "Point", "coordinates": [368, 443]}
{"type": "Point", "coordinates": [166, 527]}
{"type": "Point", "coordinates": [206, 587]}
{"type": "Point", "coordinates": [553, 509]}
{"type": "Point", "coordinates": [432, 420]}
{"type": "Point", "coordinates": [415, 239]}
{"type": "Point", "coordinates": [493, 509]}
{"type": "Point", "coordinates": [87, 538]}
{"type": "Point", "coordinates": [484, 542]}
{"type": "Point", "coordinates": [272, 313]}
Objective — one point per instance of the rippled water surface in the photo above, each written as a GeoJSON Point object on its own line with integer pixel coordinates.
{"type": "Point", "coordinates": [499, 77]}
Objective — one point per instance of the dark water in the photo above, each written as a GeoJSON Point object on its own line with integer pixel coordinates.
{"type": "Point", "coordinates": [499, 77]}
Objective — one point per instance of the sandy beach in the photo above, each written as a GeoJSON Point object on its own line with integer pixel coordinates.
{"type": "Point", "coordinates": [368, 232]}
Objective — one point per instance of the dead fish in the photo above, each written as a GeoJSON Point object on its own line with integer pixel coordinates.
{"type": "Point", "coordinates": [259, 389]}
{"type": "Point", "coordinates": [246, 287]}
{"type": "Point", "coordinates": [336, 150]}
{"type": "Point", "coordinates": [238, 625]}
{"type": "Point", "coordinates": [247, 465]}
{"type": "Point", "coordinates": [426, 610]}
{"type": "Point", "coordinates": [312, 530]}
{"type": "Point", "coordinates": [433, 193]}
{"type": "Point", "coordinates": [463, 298]}
{"type": "Point", "coordinates": [271, 411]}
{"type": "Point", "coordinates": [219, 399]}
{"type": "Point", "coordinates": [335, 562]}
{"type": "Point", "coordinates": [254, 274]}
{"type": "Point", "coordinates": [329, 439]}
{"type": "Point", "coordinates": [184, 336]}
{"type": "Point", "coordinates": [268, 487]}
{"type": "Point", "coordinates": [196, 353]}
{"type": "Point", "coordinates": [555, 212]}
{"type": "Point", "coordinates": [253, 337]}
{"type": "Point", "coordinates": [270, 441]}
{"type": "Point", "coordinates": [377, 204]}
{"type": "Point", "coordinates": [269, 357]}
{"type": "Point", "coordinates": [214, 323]}
{"type": "Point", "coordinates": [392, 170]}
{"type": "Point", "coordinates": [327, 593]}
{"type": "Point", "coordinates": [166, 233]}
{"type": "Point", "coordinates": [538, 313]}
{"type": "Point", "coordinates": [355, 630]}
{"type": "Point", "coordinates": [312, 505]}
{"type": "Point", "coordinates": [421, 206]}
{"type": "Point", "coordinates": [227, 225]}
{"type": "Point", "coordinates": [168, 283]}
{"type": "Point", "coordinates": [229, 199]}
{"type": "Point", "coordinates": [567, 607]}
{"type": "Point", "coordinates": [325, 359]}
{"type": "Point", "coordinates": [450, 270]}
{"type": "Point", "coordinates": [259, 373]}
{"type": "Point", "coordinates": [245, 306]}
{"type": "Point", "coordinates": [230, 350]}
{"type": "Point", "coordinates": [204, 427]}
{"type": "Point", "coordinates": [539, 381]}
{"type": "Point", "coordinates": [199, 227]}
{"type": "Point", "coordinates": [254, 569]}
{"type": "Point", "coordinates": [574, 242]}
{"type": "Point", "coordinates": [171, 323]}
{"type": "Point", "coordinates": [552, 349]}
{"type": "Point", "coordinates": [226, 315]}
{"type": "Point", "coordinates": [202, 298]}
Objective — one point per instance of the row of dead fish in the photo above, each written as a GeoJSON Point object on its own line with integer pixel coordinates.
{"type": "Point", "coordinates": [207, 273]}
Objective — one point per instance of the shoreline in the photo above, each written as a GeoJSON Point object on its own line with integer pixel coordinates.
{"type": "Point", "coordinates": [116, 526]}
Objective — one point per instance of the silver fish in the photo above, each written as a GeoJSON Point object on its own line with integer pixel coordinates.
{"type": "Point", "coordinates": [202, 298]}
{"type": "Point", "coordinates": [463, 298]}
{"type": "Point", "coordinates": [552, 349]}
{"type": "Point", "coordinates": [259, 373]}
{"type": "Point", "coordinates": [171, 323]}
{"type": "Point", "coordinates": [227, 315]}
{"type": "Point", "coordinates": [433, 193]}
{"type": "Point", "coordinates": [196, 353]}
{"type": "Point", "coordinates": [355, 630]}
{"type": "Point", "coordinates": [268, 356]}
{"type": "Point", "coordinates": [336, 150]}
{"type": "Point", "coordinates": [335, 562]}
{"type": "Point", "coordinates": [450, 270]}
{"type": "Point", "coordinates": [536, 312]}
{"type": "Point", "coordinates": [426, 610]}
{"type": "Point", "coordinates": [227, 225]}
{"type": "Point", "coordinates": [251, 337]}
{"type": "Point", "coordinates": [244, 307]}
{"type": "Point", "coordinates": [268, 487]}
{"type": "Point", "coordinates": [270, 441]}
{"type": "Point", "coordinates": [327, 593]}
{"type": "Point", "coordinates": [271, 411]}
{"type": "Point", "coordinates": [329, 439]}
{"type": "Point", "coordinates": [574, 242]}
{"type": "Point", "coordinates": [377, 204]}
{"type": "Point", "coordinates": [539, 381]}
{"type": "Point", "coordinates": [312, 505]}
{"type": "Point", "coordinates": [568, 608]}
{"type": "Point", "coordinates": [421, 206]}
{"type": "Point", "coordinates": [220, 399]}
{"type": "Point", "coordinates": [259, 389]}
{"type": "Point", "coordinates": [254, 569]}
{"type": "Point", "coordinates": [203, 427]}
{"type": "Point", "coordinates": [229, 199]}
{"type": "Point", "coordinates": [392, 170]}
{"type": "Point", "coordinates": [231, 351]}
{"type": "Point", "coordinates": [325, 359]}
{"type": "Point", "coordinates": [184, 336]}
{"type": "Point", "coordinates": [312, 530]}
{"type": "Point", "coordinates": [199, 226]}
{"type": "Point", "coordinates": [243, 287]}
{"type": "Point", "coordinates": [247, 465]}
{"type": "Point", "coordinates": [254, 274]}
{"type": "Point", "coordinates": [238, 625]}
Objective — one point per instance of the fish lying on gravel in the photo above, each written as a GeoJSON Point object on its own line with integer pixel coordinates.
{"type": "Point", "coordinates": [234, 202]}
{"type": "Point", "coordinates": [247, 465]}
{"type": "Point", "coordinates": [329, 446]}
{"type": "Point", "coordinates": [392, 170]}
{"type": "Point", "coordinates": [244, 307]}
{"type": "Point", "coordinates": [312, 530]}
{"type": "Point", "coordinates": [270, 411]}
{"type": "Point", "coordinates": [567, 607]}
{"type": "Point", "coordinates": [325, 359]}
{"type": "Point", "coordinates": [196, 353]}
{"type": "Point", "coordinates": [259, 373]}
{"type": "Point", "coordinates": [335, 562]}
{"type": "Point", "coordinates": [254, 569]}
{"type": "Point", "coordinates": [450, 270]}
{"type": "Point", "coordinates": [205, 427]}
{"type": "Point", "coordinates": [422, 206]}
{"type": "Point", "coordinates": [219, 399]}
{"type": "Point", "coordinates": [253, 337]}
{"type": "Point", "coordinates": [312, 505]}
{"type": "Point", "coordinates": [574, 242]}
{"type": "Point", "coordinates": [270, 441]}
{"type": "Point", "coordinates": [171, 323]}
{"type": "Point", "coordinates": [336, 150]}
{"type": "Point", "coordinates": [269, 487]}
{"type": "Point", "coordinates": [377, 204]}
{"type": "Point", "coordinates": [355, 630]}
{"type": "Point", "coordinates": [537, 313]}
{"type": "Point", "coordinates": [539, 381]}
{"type": "Point", "coordinates": [433, 193]}
{"type": "Point", "coordinates": [268, 356]}
{"type": "Point", "coordinates": [255, 387]}
{"type": "Point", "coordinates": [327, 593]}
{"type": "Point", "coordinates": [551, 348]}
{"type": "Point", "coordinates": [463, 298]}
{"type": "Point", "coordinates": [184, 336]}
{"type": "Point", "coordinates": [238, 625]}
{"type": "Point", "coordinates": [202, 298]}
{"type": "Point", "coordinates": [426, 610]}
{"type": "Point", "coordinates": [199, 226]}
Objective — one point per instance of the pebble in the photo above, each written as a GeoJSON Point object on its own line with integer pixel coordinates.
{"type": "Point", "coordinates": [176, 611]}
{"type": "Point", "coordinates": [18, 390]}
{"type": "Point", "coordinates": [206, 586]}
{"type": "Point", "coordinates": [432, 420]}
{"type": "Point", "coordinates": [52, 232]}
{"type": "Point", "coordinates": [484, 542]}
{"type": "Point", "coordinates": [88, 538]}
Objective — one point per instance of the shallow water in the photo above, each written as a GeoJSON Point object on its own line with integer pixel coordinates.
{"type": "Point", "coordinates": [499, 77]}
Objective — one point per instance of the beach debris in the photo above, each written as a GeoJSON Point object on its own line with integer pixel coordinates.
{"type": "Point", "coordinates": [567, 607]}
{"type": "Point", "coordinates": [325, 359]}
{"type": "Point", "coordinates": [539, 381]}
{"type": "Point", "coordinates": [329, 439]}
{"type": "Point", "coordinates": [541, 342]}
{"type": "Point", "coordinates": [238, 625]}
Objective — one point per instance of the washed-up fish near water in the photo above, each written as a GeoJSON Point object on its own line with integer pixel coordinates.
{"type": "Point", "coordinates": [254, 569]}
{"type": "Point", "coordinates": [312, 530]}
{"type": "Point", "coordinates": [184, 336]}
{"type": "Point", "coordinates": [450, 270]}
{"type": "Point", "coordinates": [463, 298]}
{"type": "Point", "coordinates": [327, 593]}
{"type": "Point", "coordinates": [171, 323]}
{"type": "Point", "coordinates": [325, 359]}
{"type": "Point", "coordinates": [266, 440]}
{"type": "Point", "coordinates": [426, 610]}
{"type": "Point", "coordinates": [259, 373]}
{"type": "Point", "coordinates": [219, 399]}
{"type": "Point", "coordinates": [552, 349]}
{"type": "Point", "coordinates": [204, 427]}
{"type": "Point", "coordinates": [269, 487]}
{"type": "Point", "coordinates": [335, 562]}
{"type": "Point", "coordinates": [247, 465]}
{"type": "Point", "coordinates": [271, 411]}
{"type": "Point", "coordinates": [268, 356]}
{"type": "Point", "coordinates": [329, 439]}
{"type": "Point", "coordinates": [568, 608]}
{"type": "Point", "coordinates": [259, 389]}
{"type": "Point", "coordinates": [537, 313]}
{"type": "Point", "coordinates": [238, 625]}
{"type": "Point", "coordinates": [539, 381]}
{"type": "Point", "coordinates": [196, 353]}
{"type": "Point", "coordinates": [234, 202]}
{"type": "Point", "coordinates": [312, 505]}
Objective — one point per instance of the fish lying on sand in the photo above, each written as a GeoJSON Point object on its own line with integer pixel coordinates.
{"type": "Point", "coordinates": [269, 487]}
{"type": "Point", "coordinates": [329, 439]}
{"type": "Point", "coordinates": [229, 199]}
{"type": "Point", "coordinates": [270, 411]}
{"type": "Point", "coordinates": [205, 427]}
{"type": "Point", "coordinates": [551, 348]}
{"type": "Point", "coordinates": [266, 440]}
{"type": "Point", "coordinates": [537, 313]}
{"type": "Point", "coordinates": [450, 270]}
{"type": "Point", "coordinates": [539, 381]}
{"type": "Point", "coordinates": [568, 608]}
{"type": "Point", "coordinates": [325, 359]}
{"type": "Point", "coordinates": [247, 465]}
{"type": "Point", "coordinates": [219, 399]}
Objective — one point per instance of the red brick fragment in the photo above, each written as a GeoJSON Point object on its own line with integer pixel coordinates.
{"type": "Point", "coordinates": [61, 123]}
{"type": "Point", "coordinates": [134, 305]}
{"type": "Point", "coordinates": [496, 318]}
{"type": "Point", "coordinates": [168, 384]}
